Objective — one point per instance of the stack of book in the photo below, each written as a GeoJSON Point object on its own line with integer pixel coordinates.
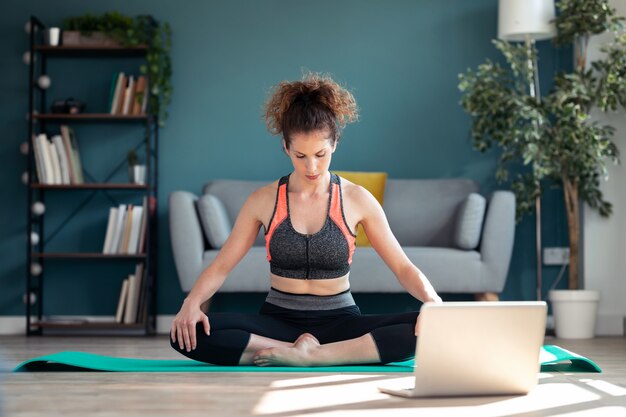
{"type": "Point", "coordinates": [126, 229]}
{"type": "Point", "coordinates": [132, 304]}
{"type": "Point", "coordinates": [57, 160]}
{"type": "Point", "coordinates": [129, 95]}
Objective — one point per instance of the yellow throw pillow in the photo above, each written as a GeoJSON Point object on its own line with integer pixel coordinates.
{"type": "Point", "coordinates": [374, 182]}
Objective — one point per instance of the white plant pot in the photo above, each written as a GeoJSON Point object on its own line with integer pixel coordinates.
{"type": "Point", "coordinates": [574, 313]}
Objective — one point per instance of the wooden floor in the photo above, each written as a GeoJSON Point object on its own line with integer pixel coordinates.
{"type": "Point", "coordinates": [70, 394]}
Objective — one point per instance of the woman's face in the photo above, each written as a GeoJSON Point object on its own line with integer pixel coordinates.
{"type": "Point", "coordinates": [310, 153]}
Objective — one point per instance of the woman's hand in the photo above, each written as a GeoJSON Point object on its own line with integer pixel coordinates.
{"type": "Point", "coordinates": [432, 298]}
{"type": "Point", "coordinates": [184, 325]}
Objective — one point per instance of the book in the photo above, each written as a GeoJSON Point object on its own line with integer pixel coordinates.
{"type": "Point", "coordinates": [126, 230]}
{"type": "Point", "coordinates": [143, 228]}
{"type": "Point", "coordinates": [133, 239]}
{"type": "Point", "coordinates": [68, 135]}
{"type": "Point", "coordinates": [117, 96]}
{"type": "Point", "coordinates": [56, 166]}
{"type": "Point", "coordinates": [129, 95]}
{"type": "Point", "coordinates": [39, 160]}
{"type": "Point", "coordinates": [57, 140]}
{"type": "Point", "coordinates": [42, 140]}
{"type": "Point", "coordinates": [108, 239]}
{"type": "Point", "coordinates": [112, 90]}
{"type": "Point", "coordinates": [130, 314]}
{"type": "Point", "coordinates": [117, 231]}
{"type": "Point", "coordinates": [139, 93]}
{"type": "Point", "coordinates": [119, 314]}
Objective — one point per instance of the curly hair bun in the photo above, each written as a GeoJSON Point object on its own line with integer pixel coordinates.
{"type": "Point", "coordinates": [315, 102]}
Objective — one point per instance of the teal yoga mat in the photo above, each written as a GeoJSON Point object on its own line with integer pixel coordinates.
{"type": "Point", "coordinates": [552, 358]}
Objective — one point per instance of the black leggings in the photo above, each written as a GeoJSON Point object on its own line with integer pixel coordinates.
{"type": "Point", "coordinates": [394, 334]}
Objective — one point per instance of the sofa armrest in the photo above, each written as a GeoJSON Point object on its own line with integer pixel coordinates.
{"type": "Point", "coordinates": [186, 237]}
{"type": "Point", "coordinates": [497, 239]}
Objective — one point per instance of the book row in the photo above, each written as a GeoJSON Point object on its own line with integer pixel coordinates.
{"type": "Point", "coordinates": [57, 160]}
{"type": "Point", "coordinates": [132, 304]}
{"type": "Point", "coordinates": [126, 229]}
{"type": "Point", "coordinates": [129, 94]}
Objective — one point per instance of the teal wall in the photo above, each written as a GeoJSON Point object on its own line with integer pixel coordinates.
{"type": "Point", "coordinates": [400, 58]}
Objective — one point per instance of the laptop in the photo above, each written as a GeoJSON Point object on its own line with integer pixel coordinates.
{"type": "Point", "coordinates": [477, 348]}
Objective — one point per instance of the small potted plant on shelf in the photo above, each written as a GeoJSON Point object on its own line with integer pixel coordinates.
{"type": "Point", "coordinates": [116, 29]}
{"type": "Point", "coordinates": [136, 171]}
{"type": "Point", "coordinates": [556, 137]}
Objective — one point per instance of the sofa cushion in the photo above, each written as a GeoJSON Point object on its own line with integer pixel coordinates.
{"type": "Point", "coordinates": [214, 219]}
{"type": "Point", "coordinates": [374, 182]}
{"type": "Point", "coordinates": [423, 212]}
{"type": "Point", "coordinates": [469, 222]}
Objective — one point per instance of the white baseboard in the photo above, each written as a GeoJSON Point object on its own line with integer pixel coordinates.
{"type": "Point", "coordinates": [16, 325]}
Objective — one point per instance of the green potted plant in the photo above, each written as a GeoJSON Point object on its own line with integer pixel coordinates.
{"type": "Point", "coordinates": [116, 29]}
{"type": "Point", "coordinates": [555, 140]}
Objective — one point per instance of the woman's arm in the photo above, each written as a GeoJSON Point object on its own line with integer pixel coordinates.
{"type": "Point", "coordinates": [242, 237]}
{"type": "Point", "coordinates": [386, 245]}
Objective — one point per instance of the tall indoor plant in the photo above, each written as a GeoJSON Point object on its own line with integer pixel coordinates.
{"type": "Point", "coordinates": [134, 31]}
{"type": "Point", "coordinates": [555, 139]}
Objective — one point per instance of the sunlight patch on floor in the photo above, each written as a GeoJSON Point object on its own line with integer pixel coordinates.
{"type": "Point", "coordinates": [544, 396]}
{"type": "Point", "coordinates": [297, 382]}
{"type": "Point", "coordinates": [606, 387]}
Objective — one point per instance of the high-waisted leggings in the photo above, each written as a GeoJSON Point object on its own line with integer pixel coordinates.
{"type": "Point", "coordinates": [393, 334]}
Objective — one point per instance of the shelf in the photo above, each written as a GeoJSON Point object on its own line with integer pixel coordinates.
{"type": "Point", "coordinates": [88, 325]}
{"type": "Point", "coordinates": [91, 51]}
{"type": "Point", "coordinates": [86, 255]}
{"type": "Point", "coordinates": [91, 186]}
{"type": "Point", "coordinates": [89, 117]}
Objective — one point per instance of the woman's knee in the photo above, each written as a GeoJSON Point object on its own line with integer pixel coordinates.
{"type": "Point", "coordinates": [395, 343]}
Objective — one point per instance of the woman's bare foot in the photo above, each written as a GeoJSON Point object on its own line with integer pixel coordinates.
{"type": "Point", "coordinates": [300, 354]}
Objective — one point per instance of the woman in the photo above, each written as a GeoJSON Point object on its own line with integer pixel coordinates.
{"type": "Point", "coordinates": [309, 317]}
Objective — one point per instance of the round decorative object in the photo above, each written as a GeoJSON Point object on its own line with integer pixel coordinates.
{"type": "Point", "coordinates": [32, 298]}
{"type": "Point", "coordinates": [44, 82]}
{"type": "Point", "coordinates": [24, 148]}
{"type": "Point", "coordinates": [26, 57]}
{"type": "Point", "coordinates": [35, 269]}
{"type": "Point", "coordinates": [38, 208]}
{"type": "Point", "coordinates": [25, 177]}
{"type": "Point", "coordinates": [34, 238]}
{"type": "Point", "coordinates": [28, 27]}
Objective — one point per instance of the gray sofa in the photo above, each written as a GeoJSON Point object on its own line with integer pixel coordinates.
{"type": "Point", "coordinates": [461, 243]}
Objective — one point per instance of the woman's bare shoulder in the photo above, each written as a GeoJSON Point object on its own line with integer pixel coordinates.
{"type": "Point", "coordinates": [355, 193]}
{"type": "Point", "coordinates": [261, 201]}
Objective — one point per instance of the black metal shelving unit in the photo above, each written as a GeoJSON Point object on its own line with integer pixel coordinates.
{"type": "Point", "coordinates": [37, 123]}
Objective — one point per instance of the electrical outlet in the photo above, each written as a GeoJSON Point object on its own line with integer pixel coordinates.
{"type": "Point", "coordinates": [555, 256]}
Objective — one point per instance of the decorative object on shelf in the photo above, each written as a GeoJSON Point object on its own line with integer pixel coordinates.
{"type": "Point", "coordinates": [26, 58]}
{"type": "Point", "coordinates": [25, 177]}
{"type": "Point", "coordinates": [28, 27]}
{"type": "Point", "coordinates": [35, 268]}
{"type": "Point", "coordinates": [68, 106]}
{"type": "Point", "coordinates": [44, 82]}
{"type": "Point", "coordinates": [24, 148]}
{"type": "Point", "coordinates": [132, 32]}
{"type": "Point", "coordinates": [32, 298]}
{"type": "Point", "coordinates": [52, 36]}
{"type": "Point", "coordinates": [136, 171]}
{"type": "Point", "coordinates": [556, 136]}
{"type": "Point", "coordinates": [34, 238]}
{"type": "Point", "coordinates": [38, 208]}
